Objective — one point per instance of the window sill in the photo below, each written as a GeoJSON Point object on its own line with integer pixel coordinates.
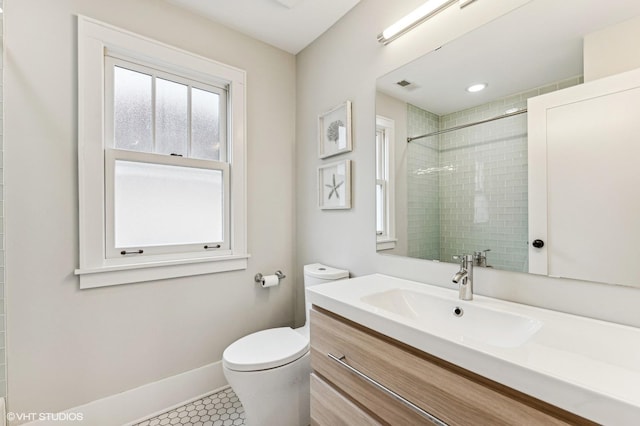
{"type": "Point", "coordinates": [151, 271]}
{"type": "Point", "coordinates": [386, 244]}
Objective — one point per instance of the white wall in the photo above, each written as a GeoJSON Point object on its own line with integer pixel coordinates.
{"type": "Point", "coordinates": [3, 357]}
{"type": "Point", "coordinates": [343, 64]}
{"type": "Point", "coordinates": [65, 346]}
{"type": "Point", "coordinates": [612, 50]}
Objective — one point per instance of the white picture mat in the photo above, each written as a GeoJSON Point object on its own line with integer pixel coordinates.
{"type": "Point", "coordinates": [334, 131]}
{"type": "Point", "coordinates": [334, 185]}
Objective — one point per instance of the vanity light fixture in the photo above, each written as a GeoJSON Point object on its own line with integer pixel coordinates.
{"type": "Point", "coordinates": [477, 87]}
{"type": "Point", "coordinates": [413, 19]}
{"type": "Point", "coordinates": [417, 17]}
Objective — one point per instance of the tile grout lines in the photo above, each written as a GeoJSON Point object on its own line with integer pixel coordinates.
{"type": "Point", "coordinates": [219, 409]}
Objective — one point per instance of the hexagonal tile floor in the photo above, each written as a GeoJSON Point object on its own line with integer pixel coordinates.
{"type": "Point", "coordinates": [218, 409]}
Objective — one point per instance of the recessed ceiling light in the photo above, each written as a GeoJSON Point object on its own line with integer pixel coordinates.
{"type": "Point", "coordinates": [476, 87]}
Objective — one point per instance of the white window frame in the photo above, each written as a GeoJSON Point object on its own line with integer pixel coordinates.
{"type": "Point", "coordinates": [114, 254]}
{"type": "Point", "coordinates": [96, 42]}
{"type": "Point", "coordinates": [385, 166]}
{"type": "Point", "coordinates": [113, 59]}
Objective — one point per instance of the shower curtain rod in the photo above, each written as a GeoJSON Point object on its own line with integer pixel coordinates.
{"type": "Point", "coordinates": [462, 126]}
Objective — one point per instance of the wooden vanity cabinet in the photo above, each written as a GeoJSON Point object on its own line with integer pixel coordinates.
{"type": "Point", "coordinates": [330, 407]}
{"type": "Point", "coordinates": [454, 396]}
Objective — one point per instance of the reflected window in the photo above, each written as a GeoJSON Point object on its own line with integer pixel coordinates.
{"type": "Point", "coordinates": [385, 199]}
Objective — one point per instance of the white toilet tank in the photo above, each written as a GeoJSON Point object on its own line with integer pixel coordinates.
{"type": "Point", "coordinates": [317, 273]}
{"type": "Point", "coordinates": [314, 274]}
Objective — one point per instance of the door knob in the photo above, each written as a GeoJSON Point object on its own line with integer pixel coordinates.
{"type": "Point", "coordinates": [538, 243]}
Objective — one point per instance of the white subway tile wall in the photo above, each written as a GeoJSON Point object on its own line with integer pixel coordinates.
{"type": "Point", "coordinates": [3, 362]}
{"type": "Point", "coordinates": [468, 188]}
{"type": "Point", "coordinates": [423, 227]}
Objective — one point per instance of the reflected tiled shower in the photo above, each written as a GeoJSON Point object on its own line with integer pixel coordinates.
{"type": "Point", "coordinates": [468, 188]}
{"type": "Point", "coordinates": [3, 366]}
{"type": "Point", "coordinates": [219, 409]}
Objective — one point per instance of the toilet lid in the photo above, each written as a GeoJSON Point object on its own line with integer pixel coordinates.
{"type": "Point", "coordinates": [265, 349]}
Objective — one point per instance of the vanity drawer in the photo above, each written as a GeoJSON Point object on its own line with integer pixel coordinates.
{"type": "Point", "coordinates": [330, 408]}
{"type": "Point", "coordinates": [451, 394]}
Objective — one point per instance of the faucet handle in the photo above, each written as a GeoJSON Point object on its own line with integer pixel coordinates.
{"type": "Point", "coordinates": [481, 253]}
{"type": "Point", "coordinates": [480, 257]}
{"type": "Point", "coordinates": [463, 258]}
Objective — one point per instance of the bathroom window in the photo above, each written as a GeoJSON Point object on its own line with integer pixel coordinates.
{"type": "Point", "coordinates": [385, 218]}
{"type": "Point", "coordinates": [163, 113]}
{"type": "Point", "coordinates": [161, 160]}
{"type": "Point", "coordinates": [166, 162]}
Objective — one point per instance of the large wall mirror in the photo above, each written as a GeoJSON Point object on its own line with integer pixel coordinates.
{"type": "Point", "coordinates": [453, 166]}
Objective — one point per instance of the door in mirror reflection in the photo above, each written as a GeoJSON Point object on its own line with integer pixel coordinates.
{"type": "Point", "coordinates": [467, 190]}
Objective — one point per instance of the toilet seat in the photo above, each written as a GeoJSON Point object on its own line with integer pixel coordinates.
{"type": "Point", "coordinates": [265, 349]}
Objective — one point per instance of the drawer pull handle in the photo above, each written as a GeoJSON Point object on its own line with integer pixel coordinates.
{"type": "Point", "coordinates": [433, 419]}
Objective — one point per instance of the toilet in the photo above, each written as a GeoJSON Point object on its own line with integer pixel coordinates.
{"type": "Point", "coordinates": [269, 370]}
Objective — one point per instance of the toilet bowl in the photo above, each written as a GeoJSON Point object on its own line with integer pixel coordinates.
{"type": "Point", "coordinates": [269, 370]}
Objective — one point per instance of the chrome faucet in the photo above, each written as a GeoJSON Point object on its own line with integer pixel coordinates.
{"type": "Point", "coordinates": [480, 258]}
{"type": "Point", "coordinates": [464, 276]}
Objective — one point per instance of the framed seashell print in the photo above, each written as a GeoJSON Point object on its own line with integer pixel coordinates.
{"type": "Point", "coordinates": [334, 185]}
{"type": "Point", "coordinates": [334, 131]}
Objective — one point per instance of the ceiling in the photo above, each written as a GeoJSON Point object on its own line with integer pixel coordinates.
{"type": "Point", "coordinates": [530, 47]}
{"type": "Point", "coordinates": [290, 25]}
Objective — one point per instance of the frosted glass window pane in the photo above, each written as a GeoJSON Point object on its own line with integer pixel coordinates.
{"type": "Point", "coordinates": [132, 110]}
{"type": "Point", "coordinates": [156, 204]}
{"type": "Point", "coordinates": [379, 209]}
{"type": "Point", "coordinates": [205, 125]}
{"type": "Point", "coordinates": [171, 117]}
{"type": "Point", "coordinates": [380, 155]}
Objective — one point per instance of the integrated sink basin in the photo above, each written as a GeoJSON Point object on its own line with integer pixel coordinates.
{"type": "Point", "coordinates": [583, 365]}
{"type": "Point", "coordinates": [459, 320]}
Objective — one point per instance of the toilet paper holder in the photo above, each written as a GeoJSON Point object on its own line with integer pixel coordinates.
{"type": "Point", "coordinates": [278, 273]}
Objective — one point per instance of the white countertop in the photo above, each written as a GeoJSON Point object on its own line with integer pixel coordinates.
{"type": "Point", "coordinates": [585, 366]}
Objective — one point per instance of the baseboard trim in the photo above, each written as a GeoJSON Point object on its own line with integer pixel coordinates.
{"type": "Point", "coordinates": [148, 400]}
{"type": "Point", "coordinates": [3, 413]}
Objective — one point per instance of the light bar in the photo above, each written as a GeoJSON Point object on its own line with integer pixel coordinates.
{"type": "Point", "coordinates": [413, 19]}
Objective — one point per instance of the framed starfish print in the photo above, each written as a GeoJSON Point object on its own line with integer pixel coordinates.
{"type": "Point", "coordinates": [334, 131]}
{"type": "Point", "coordinates": [334, 185]}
